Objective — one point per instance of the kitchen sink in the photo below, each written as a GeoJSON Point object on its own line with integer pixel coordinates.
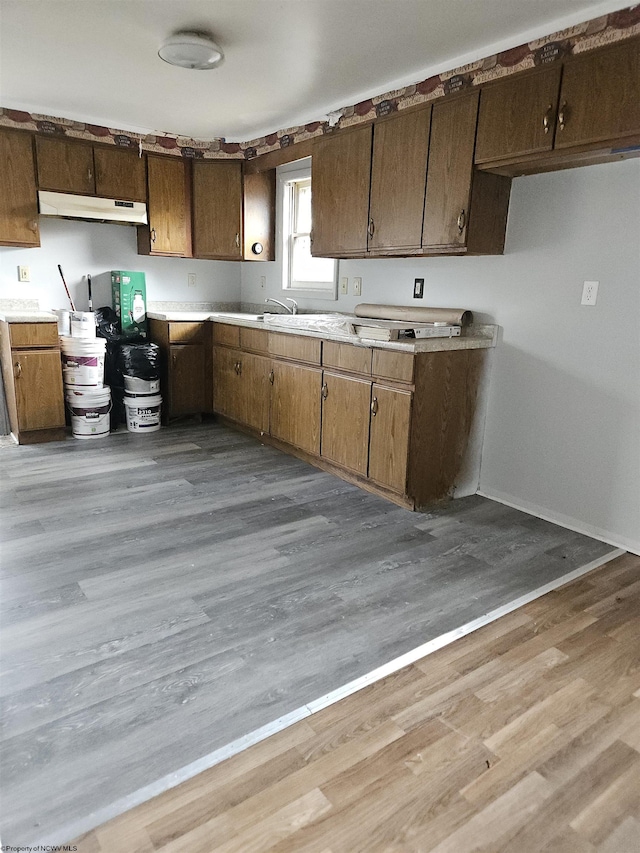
{"type": "Point", "coordinates": [340, 324]}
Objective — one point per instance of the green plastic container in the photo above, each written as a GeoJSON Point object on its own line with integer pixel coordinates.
{"type": "Point", "coordinates": [129, 301]}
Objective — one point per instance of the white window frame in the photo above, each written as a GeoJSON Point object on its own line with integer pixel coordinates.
{"type": "Point", "coordinates": [296, 171]}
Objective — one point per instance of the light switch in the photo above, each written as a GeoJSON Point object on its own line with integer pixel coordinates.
{"type": "Point", "coordinates": [344, 285]}
{"type": "Point", "coordinates": [24, 274]}
{"type": "Point", "coordinates": [357, 286]}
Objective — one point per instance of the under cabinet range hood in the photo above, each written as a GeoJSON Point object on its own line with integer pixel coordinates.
{"type": "Point", "coordinates": [68, 206]}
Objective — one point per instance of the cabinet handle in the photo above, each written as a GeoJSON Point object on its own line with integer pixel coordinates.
{"type": "Point", "coordinates": [271, 377]}
{"type": "Point", "coordinates": [462, 220]}
{"type": "Point", "coordinates": [325, 391]}
{"type": "Point", "coordinates": [238, 367]}
{"type": "Point", "coordinates": [33, 225]}
{"type": "Point", "coordinates": [153, 235]}
{"type": "Point", "coordinates": [371, 228]}
{"type": "Point", "coordinates": [311, 238]}
{"type": "Point", "coordinates": [17, 370]}
{"type": "Point", "coordinates": [174, 359]}
{"type": "Point", "coordinates": [562, 119]}
{"type": "Point", "coordinates": [546, 121]}
{"type": "Point", "coordinates": [89, 175]}
{"type": "Point", "coordinates": [237, 241]}
{"type": "Point", "coordinates": [374, 406]}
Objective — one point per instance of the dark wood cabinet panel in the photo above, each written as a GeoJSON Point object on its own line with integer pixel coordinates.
{"type": "Point", "coordinates": [446, 215]}
{"type": "Point", "coordinates": [227, 398]}
{"type": "Point", "coordinates": [120, 173]}
{"type": "Point", "coordinates": [345, 421]}
{"type": "Point", "coordinates": [389, 440]}
{"type": "Point", "coordinates": [186, 380]}
{"type": "Point", "coordinates": [517, 115]}
{"type": "Point", "coordinates": [340, 180]}
{"type": "Point", "coordinates": [169, 228]}
{"type": "Point", "coordinates": [398, 180]}
{"type": "Point", "coordinates": [600, 96]}
{"type": "Point", "coordinates": [295, 405]}
{"type": "Point", "coordinates": [217, 209]}
{"type": "Point", "coordinates": [18, 195]}
{"type": "Point", "coordinates": [38, 384]}
{"type": "Point", "coordinates": [255, 390]}
{"type": "Point", "coordinates": [259, 216]}
{"type": "Point", "coordinates": [65, 166]}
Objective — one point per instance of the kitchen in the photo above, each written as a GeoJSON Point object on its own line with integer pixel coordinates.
{"type": "Point", "coordinates": [560, 438]}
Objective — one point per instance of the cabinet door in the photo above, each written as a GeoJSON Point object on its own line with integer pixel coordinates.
{"type": "Point", "coordinates": [517, 115]}
{"type": "Point", "coordinates": [38, 384]}
{"type": "Point", "coordinates": [389, 442]}
{"type": "Point", "coordinates": [168, 230]}
{"type": "Point", "coordinates": [600, 96]}
{"type": "Point", "coordinates": [217, 209]}
{"type": "Point", "coordinates": [18, 196]}
{"type": "Point", "coordinates": [340, 178]}
{"type": "Point", "coordinates": [398, 180]}
{"type": "Point", "coordinates": [120, 174]}
{"type": "Point", "coordinates": [227, 396]}
{"type": "Point", "coordinates": [65, 167]}
{"type": "Point", "coordinates": [255, 390]}
{"type": "Point", "coordinates": [345, 421]}
{"type": "Point", "coordinates": [446, 214]}
{"type": "Point", "coordinates": [295, 405]}
{"type": "Point", "coordinates": [259, 216]}
{"type": "Point", "coordinates": [186, 383]}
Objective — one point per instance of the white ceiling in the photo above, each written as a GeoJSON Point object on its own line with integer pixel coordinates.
{"type": "Point", "coordinates": [286, 62]}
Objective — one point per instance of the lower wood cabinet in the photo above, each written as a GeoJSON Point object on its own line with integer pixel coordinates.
{"type": "Point", "coordinates": [295, 405]}
{"type": "Point", "coordinates": [185, 373]}
{"type": "Point", "coordinates": [346, 403]}
{"type": "Point", "coordinates": [389, 436]}
{"type": "Point", "coordinates": [32, 373]}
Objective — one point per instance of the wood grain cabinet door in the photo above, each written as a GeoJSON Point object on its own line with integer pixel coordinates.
{"type": "Point", "coordinates": [168, 229]}
{"type": "Point", "coordinates": [389, 441]}
{"type": "Point", "coordinates": [18, 195]}
{"type": "Point", "coordinates": [187, 371]}
{"type": "Point", "coordinates": [64, 166]}
{"type": "Point", "coordinates": [398, 180]}
{"type": "Point", "coordinates": [295, 405]}
{"type": "Point", "coordinates": [38, 384]}
{"type": "Point", "coordinates": [120, 174]}
{"type": "Point", "coordinates": [227, 397]}
{"type": "Point", "coordinates": [600, 96]}
{"type": "Point", "coordinates": [255, 390]}
{"type": "Point", "coordinates": [217, 209]}
{"type": "Point", "coordinates": [446, 213]}
{"type": "Point", "coordinates": [346, 403]}
{"type": "Point", "coordinates": [340, 179]}
{"type": "Point", "coordinates": [517, 115]}
{"type": "Point", "coordinates": [259, 215]}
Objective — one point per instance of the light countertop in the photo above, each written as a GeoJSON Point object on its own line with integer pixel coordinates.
{"type": "Point", "coordinates": [27, 316]}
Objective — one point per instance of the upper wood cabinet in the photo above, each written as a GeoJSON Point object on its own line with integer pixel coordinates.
{"type": "Point", "coordinates": [600, 96]}
{"type": "Point", "coordinates": [259, 215]}
{"type": "Point", "coordinates": [168, 191]}
{"type": "Point", "coordinates": [217, 209]}
{"type": "Point", "coordinates": [18, 195]}
{"type": "Point", "coordinates": [340, 178]}
{"type": "Point", "coordinates": [398, 180]}
{"type": "Point", "coordinates": [69, 166]}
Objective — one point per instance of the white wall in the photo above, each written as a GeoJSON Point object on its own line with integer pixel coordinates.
{"type": "Point", "coordinates": [562, 433]}
{"type": "Point", "coordinates": [92, 248]}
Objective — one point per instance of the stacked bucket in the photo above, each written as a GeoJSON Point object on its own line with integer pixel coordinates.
{"type": "Point", "coordinates": [83, 354]}
{"type": "Point", "coordinates": [142, 400]}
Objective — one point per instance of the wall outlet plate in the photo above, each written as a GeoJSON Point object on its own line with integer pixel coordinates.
{"type": "Point", "coordinates": [590, 292]}
{"type": "Point", "coordinates": [191, 279]}
{"type": "Point", "coordinates": [418, 288]}
{"type": "Point", "coordinates": [344, 285]}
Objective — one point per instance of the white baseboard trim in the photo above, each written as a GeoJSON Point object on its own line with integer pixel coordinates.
{"type": "Point", "coordinates": [567, 521]}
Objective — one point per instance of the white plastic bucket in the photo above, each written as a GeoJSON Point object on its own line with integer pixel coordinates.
{"type": "Point", "coordinates": [83, 361]}
{"type": "Point", "coordinates": [83, 324]}
{"type": "Point", "coordinates": [143, 412]}
{"type": "Point", "coordinates": [89, 410]}
{"type": "Point", "coordinates": [64, 321]}
{"type": "Point", "coordinates": [133, 385]}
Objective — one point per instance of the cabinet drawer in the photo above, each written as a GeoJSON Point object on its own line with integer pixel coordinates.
{"type": "Point", "coordinates": [185, 333]}
{"type": "Point", "coordinates": [347, 357]}
{"type": "Point", "coordinates": [34, 334]}
{"type": "Point", "coordinates": [254, 340]}
{"type": "Point", "coordinates": [393, 365]}
{"type": "Point", "coordinates": [295, 346]}
{"type": "Point", "coordinates": [228, 336]}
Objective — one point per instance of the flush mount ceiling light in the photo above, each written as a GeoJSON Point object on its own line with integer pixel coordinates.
{"type": "Point", "coordinates": [191, 50]}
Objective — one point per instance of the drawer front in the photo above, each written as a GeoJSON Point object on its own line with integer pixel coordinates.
{"type": "Point", "coordinates": [228, 336]}
{"type": "Point", "coordinates": [185, 333]}
{"type": "Point", "coordinates": [393, 365]}
{"type": "Point", "coordinates": [254, 340]}
{"type": "Point", "coordinates": [34, 334]}
{"type": "Point", "coordinates": [295, 347]}
{"type": "Point", "coordinates": [347, 357]}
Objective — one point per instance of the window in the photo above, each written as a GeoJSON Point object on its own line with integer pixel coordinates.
{"type": "Point", "coordinates": [301, 272]}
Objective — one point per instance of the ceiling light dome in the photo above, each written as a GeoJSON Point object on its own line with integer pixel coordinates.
{"type": "Point", "coordinates": [191, 50]}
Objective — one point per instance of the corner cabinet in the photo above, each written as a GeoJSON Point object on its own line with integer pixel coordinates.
{"type": "Point", "coordinates": [185, 374]}
{"type": "Point", "coordinates": [18, 195]}
{"type": "Point", "coordinates": [217, 209]}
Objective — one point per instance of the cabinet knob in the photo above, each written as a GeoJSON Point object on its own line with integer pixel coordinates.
{"type": "Point", "coordinates": [462, 219]}
{"type": "Point", "coordinates": [374, 406]}
{"type": "Point", "coordinates": [238, 367]}
{"type": "Point", "coordinates": [174, 359]}
{"type": "Point", "coordinates": [546, 121]}
{"type": "Point", "coordinates": [33, 225]}
{"type": "Point", "coordinates": [17, 370]}
{"type": "Point", "coordinates": [371, 229]}
{"type": "Point", "coordinates": [271, 377]}
{"type": "Point", "coordinates": [325, 391]}
{"type": "Point", "coordinates": [562, 118]}
{"type": "Point", "coordinates": [153, 235]}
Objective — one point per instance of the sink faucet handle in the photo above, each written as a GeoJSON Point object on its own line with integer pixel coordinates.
{"type": "Point", "coordinates": [294, 309]}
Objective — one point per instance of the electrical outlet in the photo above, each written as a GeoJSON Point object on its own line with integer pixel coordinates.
{"type": "Point", "coordinates": [357, 286]}
{"type": "Point", "coordinates": [24, 274]}
{"type": "Point", "coordinates": [263, 282]}
{"type": "Point", "coordinates": [191, 279]}
{"type": "Point", "coordinates": [418, 288]}
{"type": "Point", "coordinates": [344, 285]}
{"type": "Point", "coordinates": [589, 292]}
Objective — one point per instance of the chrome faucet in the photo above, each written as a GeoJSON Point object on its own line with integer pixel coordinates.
{"type": "Point", "coordinates": [290, 309]}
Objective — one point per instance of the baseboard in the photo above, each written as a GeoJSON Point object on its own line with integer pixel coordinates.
{"type": "Point", "coordinates": [567, 521]}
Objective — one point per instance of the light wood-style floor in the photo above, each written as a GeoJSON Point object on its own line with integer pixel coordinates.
{"type": "Point", "coordinates": [523, 736]}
